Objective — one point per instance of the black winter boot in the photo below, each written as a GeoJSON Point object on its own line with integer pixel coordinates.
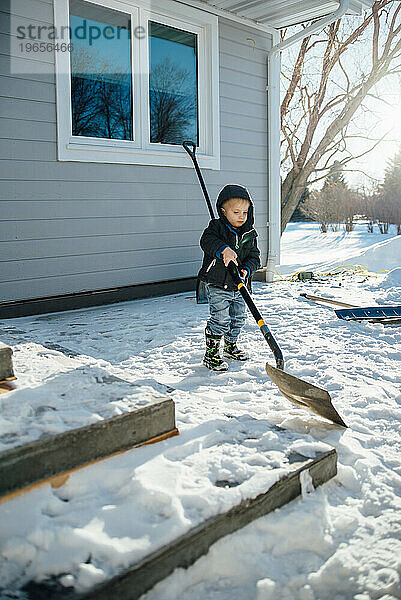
{"type": "Point", "coordinates": [212, 359]}
{"type": "Point", "coordinates": [232, 351]}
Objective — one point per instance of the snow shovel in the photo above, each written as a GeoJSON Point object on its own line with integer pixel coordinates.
{"type": "Point", "coordinates": [299, 392]}
{"type": "Point", "coordinates": [387, 315]}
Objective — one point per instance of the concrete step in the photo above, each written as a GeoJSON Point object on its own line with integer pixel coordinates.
{"type": "Point", "coordinates": [34, 463]}
{"type": "Point", "coordinates": [6, 363]}
{"type": "Point", "coordinates": [182, 552]}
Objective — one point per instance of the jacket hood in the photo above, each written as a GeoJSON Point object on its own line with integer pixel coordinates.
{"type": "Point", "coordinates": [235, 191]}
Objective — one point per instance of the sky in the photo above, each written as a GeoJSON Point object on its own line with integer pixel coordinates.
{"type": "Point", "coordinates": [386, 119]}
{"type": "Point", "coordinates": [115, 51]}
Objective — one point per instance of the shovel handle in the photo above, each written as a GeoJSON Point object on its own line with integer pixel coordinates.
{"type": "Point", "coordinates": [190, 147]}
{"type": "Point", "coordinates": [267, 334]}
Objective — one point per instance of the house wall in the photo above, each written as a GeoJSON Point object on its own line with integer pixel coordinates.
{"type": "Point", "coordinates": [68, 227]}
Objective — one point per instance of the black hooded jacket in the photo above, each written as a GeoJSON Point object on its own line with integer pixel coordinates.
{"type": "Point", "coordinates": [219, 234]}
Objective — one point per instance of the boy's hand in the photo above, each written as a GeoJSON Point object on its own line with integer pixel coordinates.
{"type": "Point", "coordinates": [229, 255]}
{"type": "Point", "coordinates": [244, 273]}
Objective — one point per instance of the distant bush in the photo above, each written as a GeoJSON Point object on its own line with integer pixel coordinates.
{"type": "Point", "coordinates": [333, 205]}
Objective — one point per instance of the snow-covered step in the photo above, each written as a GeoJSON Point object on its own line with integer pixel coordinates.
{"type": "Point", "coordinates": [76, 417]}
{"type": "Point", "coordinates": [178, 525]}
{"type": "Point", "coordinates": [6, 363]}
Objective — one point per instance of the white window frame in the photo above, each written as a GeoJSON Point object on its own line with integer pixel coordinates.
{"type": "Point", "coordinates": [141, 151]}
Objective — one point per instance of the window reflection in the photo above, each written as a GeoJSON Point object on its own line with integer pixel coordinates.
{"type": "Point", "coordinates": [173, 94]}
{"type": "Point", "coordinates": [101, 83]}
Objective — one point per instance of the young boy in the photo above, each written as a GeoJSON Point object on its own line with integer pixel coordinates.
{"type": "Point", "coordinates": [231, 237]}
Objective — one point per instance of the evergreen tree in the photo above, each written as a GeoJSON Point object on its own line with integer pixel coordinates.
{"type": "Point", "coordinates": [335, 176]}
{"type": "Point", "coordinates": [299, 213]}
{"type": "Point", "coordinates": [388, 198]}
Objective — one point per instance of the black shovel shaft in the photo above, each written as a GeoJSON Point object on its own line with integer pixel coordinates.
{"type": "Point", "coordinates": [190, 147]}
{"type": "Point", "coordinates": [267, 334]}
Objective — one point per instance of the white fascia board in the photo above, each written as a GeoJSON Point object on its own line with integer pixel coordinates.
{"type": "Point", "coordinates": [214, 10]}
{"type": "Point", "coordinates": [304, 14]}
{"type": "Point", "coordinates": [366, 3]}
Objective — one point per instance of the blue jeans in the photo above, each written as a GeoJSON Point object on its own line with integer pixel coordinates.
{"type": "Point", "coordinates": [227, 313]}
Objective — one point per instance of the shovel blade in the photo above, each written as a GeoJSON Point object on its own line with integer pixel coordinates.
{"type": "Point", "coordinates": [305, 395]}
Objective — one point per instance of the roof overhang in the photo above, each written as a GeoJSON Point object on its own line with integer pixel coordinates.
{"type": "Point", "coordinates": [279, 13]}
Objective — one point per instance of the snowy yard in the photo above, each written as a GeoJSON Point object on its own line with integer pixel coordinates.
{"type": "Point", "coordinates": [341, 542]}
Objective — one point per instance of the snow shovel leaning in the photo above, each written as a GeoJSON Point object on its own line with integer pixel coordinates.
{"type": "Point", "coordinates": [387, 315]}
{"type": "Point", "coordinates": [299, 392]}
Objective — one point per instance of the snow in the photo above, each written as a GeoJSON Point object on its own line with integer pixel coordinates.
{"type": "Point", "coordinates": [327, 251]}
{"type": "Point", "coordinates": [37, 409]}
{"type": "Point", "coordinates": [393, 278]}
{"type": "Point", "coordinates": [341, 541]}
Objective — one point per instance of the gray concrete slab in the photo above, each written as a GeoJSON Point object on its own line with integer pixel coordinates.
{"type": "Point", "coordinates": [6, 362]}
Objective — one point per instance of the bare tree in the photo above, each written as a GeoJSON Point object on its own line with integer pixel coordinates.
{"type": "Point", "coordinates": [101, 96]}
{"type": "Point", "coordinates": [114, 117]}
{"type": "Point", "coordinates": [317, 207]}
{"type": "Point", "coordinates": [323, 97]}
{"type": "Point", "coordinates": [334, 204]}
{"type": "Point", "coordinates": [83, 90]}
{"type": "Point", "coordinates": [172, 102]}
{"type": "Point", "coordinates": [350, 208]}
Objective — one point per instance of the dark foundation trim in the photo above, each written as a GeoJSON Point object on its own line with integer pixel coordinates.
{"type": "Point", "coordinates": [49, 304]}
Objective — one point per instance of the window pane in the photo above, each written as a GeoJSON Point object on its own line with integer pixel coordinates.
{"type": "Point", "coordinates": [173, 87]}
{"type": "Point", "coordinates": [101, 82]}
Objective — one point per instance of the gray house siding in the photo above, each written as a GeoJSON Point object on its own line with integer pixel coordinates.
{"type": "Point", "coordinates": [68, 227]}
